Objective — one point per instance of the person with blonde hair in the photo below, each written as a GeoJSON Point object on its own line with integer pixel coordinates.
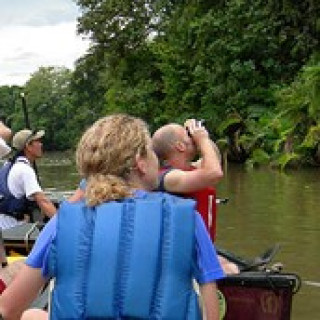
{"type": "Point", "coordinates": [122, 251]}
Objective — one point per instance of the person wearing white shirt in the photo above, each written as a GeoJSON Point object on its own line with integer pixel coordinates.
{"type": "Point", "coordinates": [19, 183]}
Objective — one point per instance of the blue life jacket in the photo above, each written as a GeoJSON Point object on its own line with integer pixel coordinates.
{"type": "Point", "coordinates": [129, 259]}
{"type": "Point", "coordinates": [9, 204]}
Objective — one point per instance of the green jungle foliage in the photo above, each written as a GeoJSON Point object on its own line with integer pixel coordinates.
{"type": "Point", "coordinates": [249, 68]}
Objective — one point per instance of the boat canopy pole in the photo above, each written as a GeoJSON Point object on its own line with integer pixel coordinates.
{"type": "Point", "coordinates": [25, 110]}
{"type": "Point", "coordinates": [28, 125]}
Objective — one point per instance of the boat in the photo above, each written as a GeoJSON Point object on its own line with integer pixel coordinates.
{"type": "Point", "coordinates": [261, 291]}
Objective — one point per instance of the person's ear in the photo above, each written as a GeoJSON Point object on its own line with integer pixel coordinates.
{"type": "Point", "coordinates": [141, 164]}
{"type": "Point", "coordinates": [27, 146]}
{"type": "Point", "coordinates": [180, 146]}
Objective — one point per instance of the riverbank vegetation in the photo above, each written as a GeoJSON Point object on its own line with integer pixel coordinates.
{"type": "Point", "coordinates": [251, 69]}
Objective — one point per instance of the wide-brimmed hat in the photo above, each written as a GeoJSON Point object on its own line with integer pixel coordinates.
{"type": "Point", "coordinates": [23, 137]}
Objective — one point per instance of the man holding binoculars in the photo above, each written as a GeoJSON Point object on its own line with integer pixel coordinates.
{"type": "Point", "coordinates": [176, 147]}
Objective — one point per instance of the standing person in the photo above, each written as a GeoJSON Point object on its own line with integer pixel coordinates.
{"type": "Point", "coordinates": [5, 135]}
{"type": "Point", "coordinates": [176, 147]}
{"type": "Point", "coordinates": [127, 255]}
{"type": "Point", "coordinates": [19, 186]}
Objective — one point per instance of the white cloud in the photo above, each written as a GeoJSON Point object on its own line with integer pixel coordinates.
{"type": "Point", "coordinates": [36, 12]}
{"type": "Point", "coordinates": [37, 33]}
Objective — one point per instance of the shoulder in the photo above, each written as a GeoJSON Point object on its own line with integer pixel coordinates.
{"type": "Point", "coordinates": [159, 195]}
{"type": "Point", "coordinates": [173, 180]}
{"type": "Point", "coordinates": [171, 199]}
{"type": "Point", "coordinates": [22, 164]}
{"type": "Point", "coordinates": [165, 176]}
{"type": "Point", "coordinates": [70, 211]}
{"type": "Point", "coordinates": [186, 180]}
{"type": "Point", "coordinates": [66, 206]}
{"type": "Point", "coordinates": [22, 171]}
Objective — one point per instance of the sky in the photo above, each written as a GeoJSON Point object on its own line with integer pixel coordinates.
{"type": "Point", "coordinates": [37, 33]}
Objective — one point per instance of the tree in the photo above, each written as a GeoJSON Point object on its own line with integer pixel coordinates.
{"type": "Point", "coordinates": [49, 105]}
{"type": "Point", "coordinates": [219, 60]}
{"type": "Point", "coordinates": [10, 106]}
{"type": "Point", "coordinates": [299, 106]}
{"type": "Point", "coordinates": [88, 89]}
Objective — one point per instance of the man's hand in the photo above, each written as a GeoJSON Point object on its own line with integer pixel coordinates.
{"type": "Point", "coordinates": [197, 132]}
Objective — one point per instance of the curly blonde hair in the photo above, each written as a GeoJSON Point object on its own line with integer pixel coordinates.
{"type": "Point", "coordinates": [106, 154]}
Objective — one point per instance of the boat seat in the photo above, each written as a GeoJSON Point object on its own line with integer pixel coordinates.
{"type": "Point", "coordinates": [20, 238]}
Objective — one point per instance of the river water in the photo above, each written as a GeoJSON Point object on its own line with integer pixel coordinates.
{"type": "Point", "coordinates": [265, 207]}
{"type": "Point", "coordinates": [268, 207]}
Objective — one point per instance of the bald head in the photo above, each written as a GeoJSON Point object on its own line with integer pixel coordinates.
{"type": "Point", "coordinates": [164, 138]}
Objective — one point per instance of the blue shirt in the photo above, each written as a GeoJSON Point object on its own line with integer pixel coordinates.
{"type": "Point", "coordinates": [207, 267]}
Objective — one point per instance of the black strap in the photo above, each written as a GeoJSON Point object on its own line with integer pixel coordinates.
{"type": "Point", "coordinates": [162, 175]}
{"type": "Point", "coordinates": [17, 215]}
